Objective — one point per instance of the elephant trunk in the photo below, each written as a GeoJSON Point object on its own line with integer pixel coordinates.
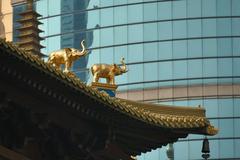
{"type": "Point", "coordinates": [84, 51]}
{"type": "Point", "coordinates": [123, 67]}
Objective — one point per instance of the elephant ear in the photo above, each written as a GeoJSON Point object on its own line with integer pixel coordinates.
{"type": "Point", "coordinates": [114, 69]}
{"type": "Point", "coordinates": [68, 51]}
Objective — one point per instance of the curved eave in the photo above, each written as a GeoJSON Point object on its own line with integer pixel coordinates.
{"type": "Point", "coordinates": [20, 44]}
{"type": "Point", "coordinates": [22, 21]}
{"type": "Point", "coordinates": [30, 28]}
{"type": "Point", "coordinates": [30, 12]}
{"type": "Point", "coordinates": [188, 120]}
{"type": "Point", "coordinates": [30, 35]}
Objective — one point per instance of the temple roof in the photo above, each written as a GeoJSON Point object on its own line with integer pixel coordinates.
{"type": "Point", "coordinates": [30, 12]}
{"type": "Point", "coordinates": [134, 122]}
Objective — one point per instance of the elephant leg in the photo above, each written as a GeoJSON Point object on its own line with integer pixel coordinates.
{"type": "Point", "coordinates": [112, 81]}
{"type": "Point", "coordinates": [95, 77]}
{"type": "Point", "coordinates": [57, 66]}
{"type": "Point", "coordinates": [108, 80]}
{"type": "Point", "coordinates": [68, 65]}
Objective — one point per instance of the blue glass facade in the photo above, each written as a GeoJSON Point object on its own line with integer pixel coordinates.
{"type": "Point", "coordinates": [166, 44]}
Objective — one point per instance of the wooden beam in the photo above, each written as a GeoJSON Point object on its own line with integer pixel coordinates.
{"type": "Point", "coordinates": [11, 155]}
{"type": "Point", "coordinates": [112, 152]}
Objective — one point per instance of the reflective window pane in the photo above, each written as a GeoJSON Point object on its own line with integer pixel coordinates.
{"type": "Point", "coordinates": [194, 28]}
{"type": "Point", "coordinates": [67, 23]}
{"type": "Point", "coordinates": [120, 52]}
{"type": "Point", "coordinates": [135, 53]}
{"type": "Point", "coordinates": [236, 26]}
{"type": "Point", "coordinates": [235, 7]}
{"type": "Point", "coordinates": [209, 8]}
{"type": "Point", "coordinates": [225, 107]}
{"type": "Point", "coordinates": [132, 16]}
{"type": "Point", "coordinates": [165, 50]}
{"type": "Point", "coordinates": [193, 148]}
{"type": "Point", "coordinates": [164, 30]}
{"type": "Point", "coordinates": [164, 10]}
{"type": "Point", "coordinates": [67, 5]}
{"type": "Point", "coordinates": [237, 127]}
{"type": "Point", "coordinates": [180, 150]}
{"type": "Point", "coordinates": [93, 19]}
{"type": "Point", "coordinates": [194, 48]}
{"type": "Point", "coordinates": [106, 36]}
{"type": "Point", "coordinates": [41, 7]}
{"type": "Point", "coordinates": [237, 146]}
{"type": "Point", "coordinates": [214, 148]}
{"type": "Point", "coordinates": [224, 47]}
{"type": "Point", "coordinates": [211, 106]}
{"type": "Point", "coordinates": [210, 68]}
{"type": "Point", "coordinates": [55, 7]}
{"type": "Point", "coordinates": [150, 71]}
{"type": "Point", "coordinates": [120, 15]}
{"type": "Point", "coordinates": [94, 39]}
{"type": "Point", "coordinates": [120, 35]}
{"type": "Point", "coordinates": [106, 17]}
{"type": "Point", "coordinates": [223, 8]}
{"type": "Point", "coordinates": [209, 28]}
{"type": "Point", "coordinates": [179, 9]}
{"type": "Point", "coordinates": [106, 3]}
{"type": "Point", "coordinates": [117, 2]}
{"type": "Point", "coordinates": [179, 49]}
{"type": "Point", "coordinates": [150, 30]}
{"type": "Point", "coordinates": [106, 55]}
{"type": "Point", "coordinates": [194, 68]}
{"type": "Point", "coordinates": [236, 103]}
{"type": "Point", "coordinates": [194, 8]}
{"type": "Point", "coordinates": [224, 27]}
{"type": "Point", "coordinates": [226, 148]}
{"type": "Point", "coordinates": [134, 1]}
{"type": "Point", "coordinates": [150, 11]}
{"type": "Point", "coordinates": [93, 57]}
{"type": "Point", "coordinates": [236, 66]}
{"type": "Point", "coordinates": [165, 70]}
{"type": "Point", "coordinates": [67, 40]}
{"type": "Point", "coordinates": [180, 69]}
{"type": "Point", "coordinates": [179, 29]}
{"type": "Point", "coordinates": [236, 46]}
{"type": "Point", "coordinates": [135, 33]}
{"type": "Point", "coordinates": [150, 51]}
{"type": "Point", "coordinates": [53, 43]}
{"type": "Point", "coordinates": [225, 67]}
{"type": "Point", "coordinates": [135, 77]}
{"type": "Point", "coordinates": [93, 4]}
{"type": "Point", "coordinates": [209, 47]}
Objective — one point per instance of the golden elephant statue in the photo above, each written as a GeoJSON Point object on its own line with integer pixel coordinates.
{"type": "Point", "coordinates": [108, 71]}
{"type": "Point", "coordinates": [66, 57]}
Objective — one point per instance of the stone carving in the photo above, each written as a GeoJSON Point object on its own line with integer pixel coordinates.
{"type": "Point", "coordinates": [66, 57]}
{"type": "Point", "coordinates": [108, 71]}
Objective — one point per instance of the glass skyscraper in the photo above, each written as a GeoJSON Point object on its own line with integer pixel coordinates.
{"type": "Point", "coordinates": [178, 52]}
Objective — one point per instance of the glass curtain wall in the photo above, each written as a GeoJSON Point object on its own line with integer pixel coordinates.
{"type": "Point", "coordinates": [178, 52]}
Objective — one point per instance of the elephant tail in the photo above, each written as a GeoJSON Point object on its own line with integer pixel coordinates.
{"type": "Point", "coordinates": [50, 59]}
{"type": "Point", "coordinates": [91, 70]}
